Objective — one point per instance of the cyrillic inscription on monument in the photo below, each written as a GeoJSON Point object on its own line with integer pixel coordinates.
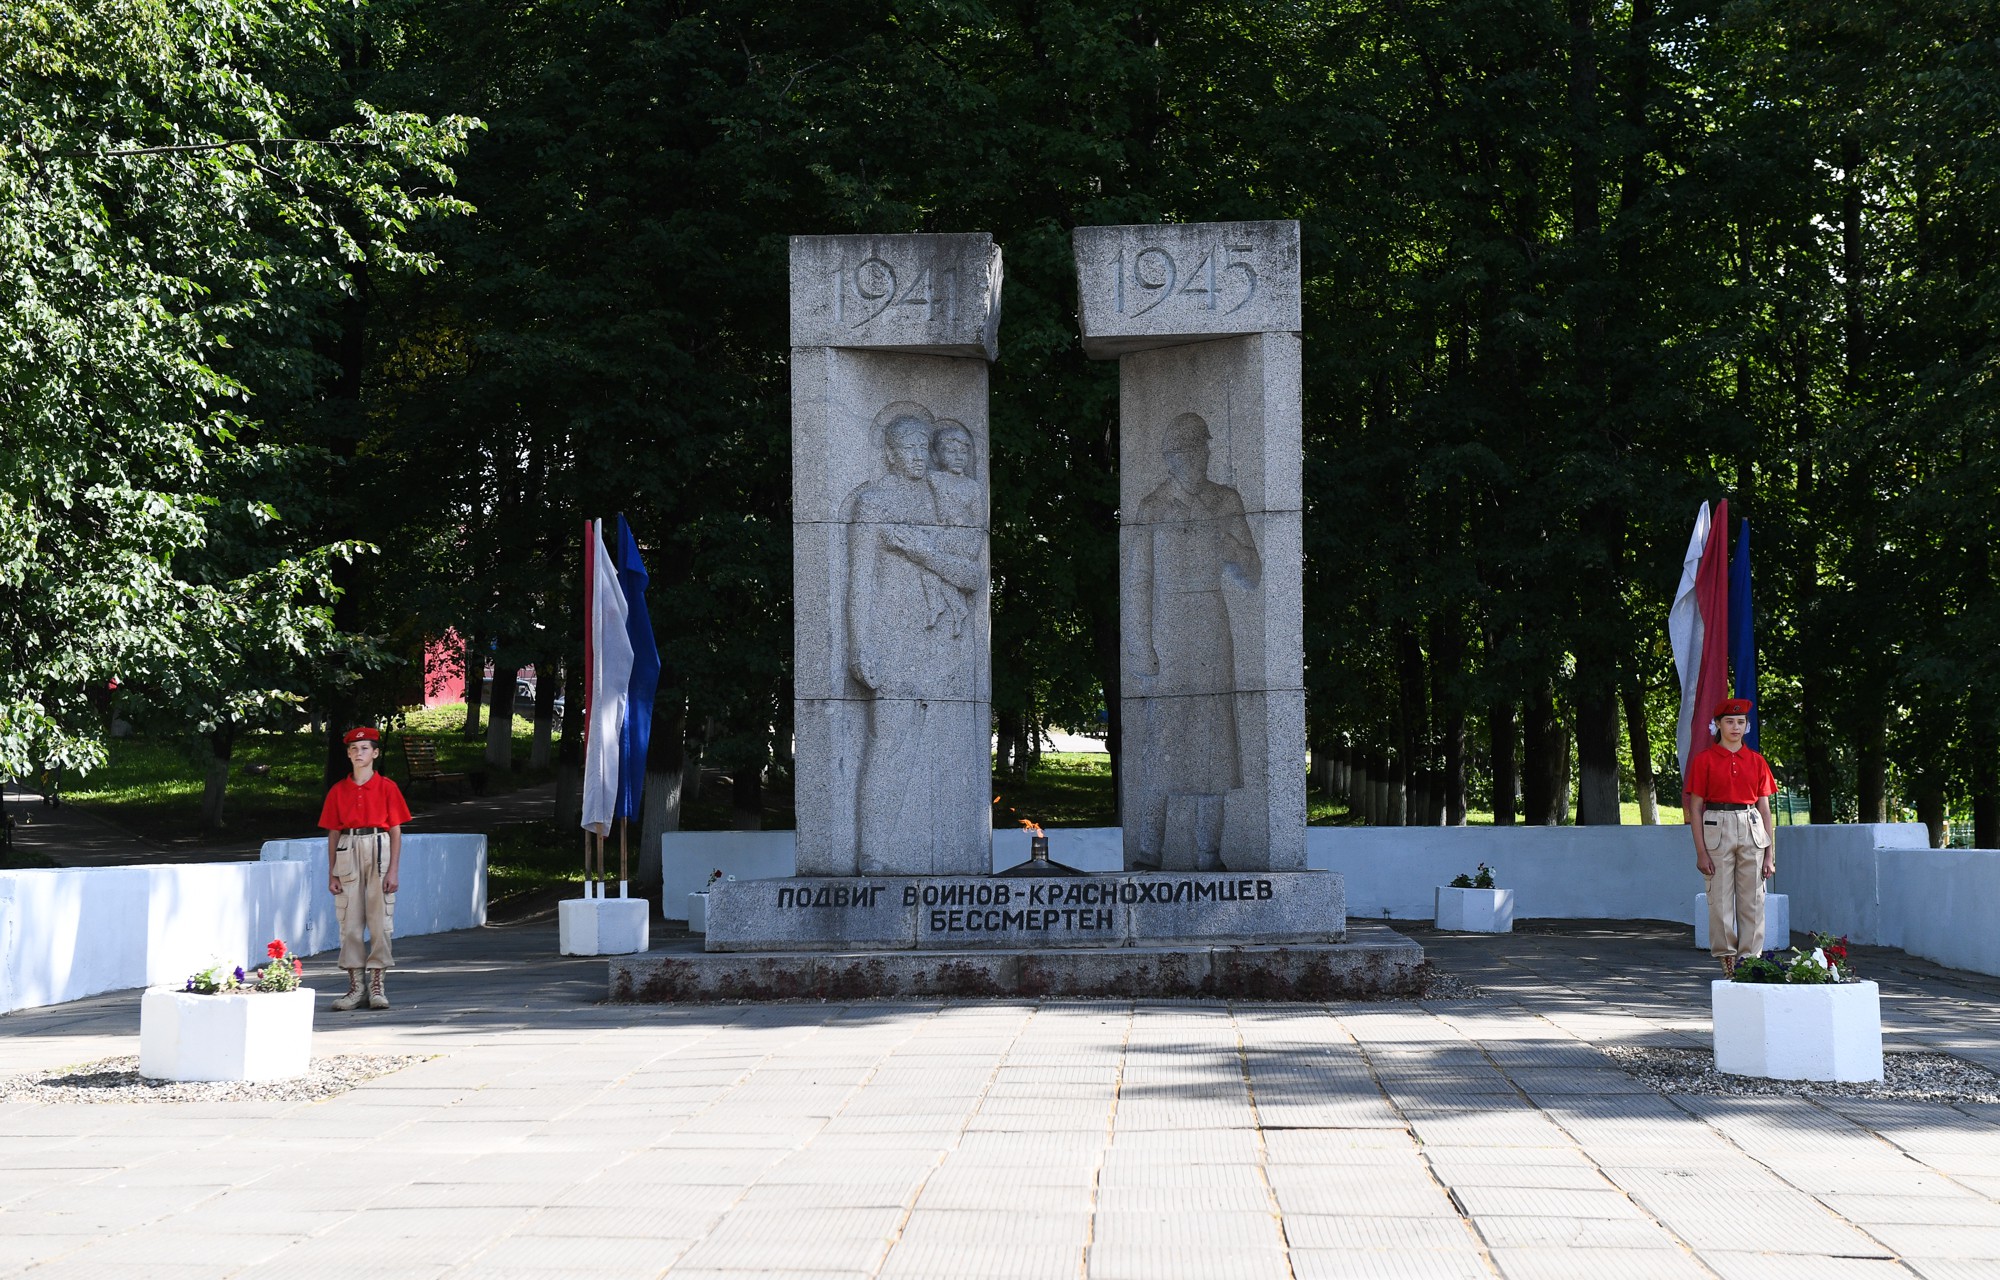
{"type": "Point", "coordinates": [956, 912]}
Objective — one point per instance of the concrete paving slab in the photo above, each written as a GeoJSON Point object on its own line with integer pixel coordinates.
{"type": "Point", "coordinates": [1627, 1264]}
{"type": "Point", "coordinates": [751, 1140]}
{"type": "Point", "coordinates": [1322, 1264]}
{"type": "Point", "coordinates": [1779, 1266]}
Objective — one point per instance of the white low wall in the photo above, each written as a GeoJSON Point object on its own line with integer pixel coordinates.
{"type": "Point", "coordinates": [442, 884]}
{"type": "Point", "coordinates": [1623, 873]}
{"type": "Point", "coordinates": [70, 932]}
{"type": "Point", "coordinates": [1607, 873]}
{"type": "Point", "coordinates": [1877, 883]}
{"type": "Point", "coordinates": [1880, 885]}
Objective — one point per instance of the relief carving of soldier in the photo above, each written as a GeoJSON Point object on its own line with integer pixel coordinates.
{"type": "Point", "coordinates": [916, 569]}
{"type": "Point", "coordinates": [1190, 537]}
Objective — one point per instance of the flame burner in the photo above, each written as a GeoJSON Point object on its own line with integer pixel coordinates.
{"type": "Point", "coordinates": [1039, 863]}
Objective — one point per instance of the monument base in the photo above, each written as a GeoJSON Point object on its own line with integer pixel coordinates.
{"type": "Point", "coordinates": [978, 913]}
{"type": "Point", "coordinates": [1374, 962]}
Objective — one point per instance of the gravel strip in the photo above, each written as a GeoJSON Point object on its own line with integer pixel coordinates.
{"type": "Point", "coordinates": [1915, 1077]}
{"type": "Point", "coordinates": [1434, 983]}
{"type": "Point", "coordinates": [118, 1080]}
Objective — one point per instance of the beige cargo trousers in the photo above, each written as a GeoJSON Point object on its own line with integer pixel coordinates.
{"type": "Point", "coordinates": [359, 863]}
{"type": "Point", "coordinates": [1735, 840]}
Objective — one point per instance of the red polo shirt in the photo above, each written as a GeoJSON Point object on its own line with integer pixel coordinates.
{"type": "Point", "coordinates": [1730, 777]}
{"type": "Point", "coordinates": [377, 802]}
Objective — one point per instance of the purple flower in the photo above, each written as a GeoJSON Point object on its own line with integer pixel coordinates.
{"type": "Point", "coordinates": [239, 973]}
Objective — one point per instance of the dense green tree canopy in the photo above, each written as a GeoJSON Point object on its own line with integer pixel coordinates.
{"type": "Point", "coordinates": [167, 234]}
{"type": "Point", "coordinates": [1572, 269]}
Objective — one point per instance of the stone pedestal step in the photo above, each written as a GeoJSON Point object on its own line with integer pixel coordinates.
{"type": "Point", "coordinates": [1375, 961]}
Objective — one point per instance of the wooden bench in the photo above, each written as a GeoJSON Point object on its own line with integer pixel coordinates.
{"type": "Point", "coordinates": [422, 756]}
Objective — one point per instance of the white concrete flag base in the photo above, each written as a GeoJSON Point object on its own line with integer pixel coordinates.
{"type": "Point", "coordinates": [1475, 910]}
{"type": "Point", "coordinates": [1777, 922]}
{"type": "Point", "coordinates": [1779, 1031]}
{"type": "Point", "coordinates": [264, 1035]}
{"type": "Point", "coordinates": [698, 912]}
{"type": "Point", "coordinates": [602, 926]}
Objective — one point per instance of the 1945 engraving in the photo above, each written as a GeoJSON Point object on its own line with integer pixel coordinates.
{"type": "Point", "coordinates": [1191, 537]}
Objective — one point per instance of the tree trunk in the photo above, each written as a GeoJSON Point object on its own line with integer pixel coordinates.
{"type": "Point", "coordinates": [569, 753]}
{"type": "Point", "coordinates": [1597, 759]}
{"type": "Point", "coordinates": [1930, 805]}
{"type": "Point", "coordinates": [546, 684]}
{"type": "Point", "coordinates": [691, 772]}
{"type": "Point", "coordinates": [475, 689]}
{"type": "Point", "coordinates": [1545, 781]}
{"type": "Point", "coordinates": [500, 721]}
{"type": "Point", "coordinates": [1985, 780]}
{"type": "Point", "coordinates": [1815, 737]}
{"type": "Point", "coordinates": [1871, 766]}
{"type": "Point", "coordinates": [746, 795]}
{"type": "Point", "coordinates": [1506, 765]}
{"type": "Point", "coordinates": [1566, 780]}
{"type": "Point", "coordinates": [221, 743]}
{"type": "Point", "coordinates": [1452, 793]}
{"type": "Point", "coordinates": [660, 803]}
{"type": "Point", "coordinates": [1641, 739]}
{"type": "Point", "coordinates": [1412, 770]}
{"type": "Point", "coordinates": [1360, 790]}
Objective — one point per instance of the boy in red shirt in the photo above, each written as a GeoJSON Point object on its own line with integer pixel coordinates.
{"type": "Point", "coordinates": [1729, 790]}
{"type": "Point", "coordinates": [363, 818]}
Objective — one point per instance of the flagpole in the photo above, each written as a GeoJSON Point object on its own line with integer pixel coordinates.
{"type": "Point", "coordinates": [624, 824]}
{"type": "Point", "coordinates": [589, 604]}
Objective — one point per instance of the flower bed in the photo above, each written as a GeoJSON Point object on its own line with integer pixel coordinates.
{"type": "Point", "coordinates": [230, 1026]}
{"type": "Point", "coordinates": [1799, 1015]}
{"type": "Point", "coordinates": [1471, 904]}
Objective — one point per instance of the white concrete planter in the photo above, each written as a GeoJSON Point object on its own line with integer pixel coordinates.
{"type": "Point", "coordinates": [1777, 922]}
{"type": "Point", "coordinates": [602, 926]}
{"type": "Point", "coordinates": [698, 912]}
{"type": "Point", "coordinates": [1475, 910]}
{"type": "Point", "coordinates": [264, 1035]}
{"type": "Point", "coordinates": [1785, 1032]}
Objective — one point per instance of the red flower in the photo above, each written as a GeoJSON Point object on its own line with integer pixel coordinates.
{"type": "Point", "coordinates": [298, 965]}
{"type": "Point", "coordinates": [276, 950]}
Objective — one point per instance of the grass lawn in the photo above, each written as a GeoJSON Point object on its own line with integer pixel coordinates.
{"type": "Point", "coordinates": [1067, 789]}
{"type": "Point", "coordinates": [1324, 812]}
{"type": "Point", "coordinates": [154, 787]}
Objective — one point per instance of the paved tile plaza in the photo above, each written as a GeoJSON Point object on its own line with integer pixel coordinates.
{"type": "Point", "coordinates": [550, 1136]}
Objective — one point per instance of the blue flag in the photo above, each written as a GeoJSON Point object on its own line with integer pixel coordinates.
{"type": "Point", "coordinates": [645, 674]}
{"type": "Point", "coordinates": [1743, 634]}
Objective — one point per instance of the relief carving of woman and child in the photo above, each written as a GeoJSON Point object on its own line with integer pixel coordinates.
{"type": "Point", "coordinates": [916, 571]}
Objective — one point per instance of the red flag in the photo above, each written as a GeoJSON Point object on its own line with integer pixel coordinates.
{"type": "Point", "coordinates": [1711, 595]}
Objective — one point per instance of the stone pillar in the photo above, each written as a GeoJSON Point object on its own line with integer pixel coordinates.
{"type": "Point", "coordinates": [891, 337]}
{"type": "Point", "coordinates": [1203, 321]}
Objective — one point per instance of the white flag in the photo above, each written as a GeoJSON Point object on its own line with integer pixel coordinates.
{"type": "Point", "coordinates": [1684, 631]}
{"type": "Point", "coordinates": [610, 676]}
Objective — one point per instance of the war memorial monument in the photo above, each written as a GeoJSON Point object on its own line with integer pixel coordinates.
{"type": "Point", "coordinates": [895, 891]}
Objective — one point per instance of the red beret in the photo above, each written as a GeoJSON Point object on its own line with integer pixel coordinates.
{"type": "Point", "coordinates": [363, 734]}
{"type": "Point", "coordinates": [1732, 707]}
